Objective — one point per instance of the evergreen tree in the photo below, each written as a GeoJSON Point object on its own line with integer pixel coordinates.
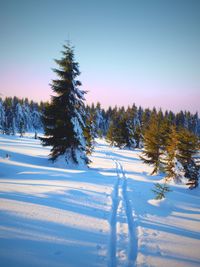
{"type": "Point", "coordinates": [188, 147]}
{"type": "Point", "coordinates": [136, 116]}
{"type": "Point", "coordinates": [110, 137]}
{"type": "Point", "coordinates": [121, 136]}
{"type": "Point", "coordinates": [180, 162]}
{"type": "Point", "coordinates": [89, 133]}
{"type": "Point", "coordinates": [2, 116]}
{"type": "Point", "coordinates": [9, 116]}
{"type": "Point", "coordinates": [121, 130]}
{"type": "Point", "coordinates": [160, 190]}
{"type": "Point", "coordinates": [113, 127]}
{"type": "Point", "coordinates": [63, 117]}
{"type": "Point", "coordinates": [21, 128]}
{"type": "Point", "coordinates": [173, 167]}
{"type": "Point", "coordinates": [20, 121]}
{"type": "Point", "coordinates": [145, 120]}
{"type": "Point", "coordinates": [138, 136]}
{"type": "Point", "coordinates": [152, 145]}
{"type": "Point", "coordinates": [164, 128]}
{"type": "Point", "coordinates": [98, 120]}
{"type": "Point", "coordinates": [180, 120]}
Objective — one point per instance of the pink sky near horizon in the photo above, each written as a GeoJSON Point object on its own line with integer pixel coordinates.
{"type": "Point", "coordinates": [108, 89]}
{"type": "Point", "coordinates": [36, 87]}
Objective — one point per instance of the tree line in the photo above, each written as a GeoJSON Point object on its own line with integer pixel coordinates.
{"type": "Point", "coordinates": [170, 141]}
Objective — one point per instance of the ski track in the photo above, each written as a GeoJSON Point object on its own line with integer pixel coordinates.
{"type": "Point", "coordinates": [121, 201]}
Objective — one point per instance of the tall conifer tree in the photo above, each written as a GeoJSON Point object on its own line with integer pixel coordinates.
{"type": "Point", "coordinates": [152, 145]}
{"type": "Point", "coordinates": [63, 117]}
{"type": "Point", "coordinates": [188, 147]}
{"type": "Point", "coordinates": [173, 167]}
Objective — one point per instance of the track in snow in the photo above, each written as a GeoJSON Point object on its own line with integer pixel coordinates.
{"type": "Point", "coordinates": [121, 207]}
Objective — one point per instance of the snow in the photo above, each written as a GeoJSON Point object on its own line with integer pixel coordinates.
{"type": "Point", "coordinates": [104, 215]}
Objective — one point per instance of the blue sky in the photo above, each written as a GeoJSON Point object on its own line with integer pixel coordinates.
{"type": "Point", "coordinates": [145, 51]}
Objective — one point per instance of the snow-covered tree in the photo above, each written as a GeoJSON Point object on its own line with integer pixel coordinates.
{"type": "Point", "coordinates": [19, 119]}
{"type": "Point", "coordinates": [27, 116]}
{"type": "Point", "coordinates": [137, 135]}
{"type": "Point", "coordinates": [36, 122]}
{"type": "Point", "coordinates": [173, 167]}
{"type": "Point", "coordinates": [2, 116]}
{"type": "Point", "coordinates": [180, 157]}
{"type": "Point", "coordinates": [9, 126]}
{"type": "Point", "coordinates": [63, 117]}
{"type": "Point", "coordinates": [188, 147]}
{"type": "Point", "coordinates": [21, 128]}
{"type": "Point", "coordinates": [89, 133]}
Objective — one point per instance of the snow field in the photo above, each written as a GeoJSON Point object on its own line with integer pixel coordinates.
{"type": "Point", "coordinates": [50, 215]}
{"type": "Point", "coordinates": [53, 215]}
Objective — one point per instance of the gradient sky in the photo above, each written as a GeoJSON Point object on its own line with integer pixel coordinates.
{"type": "Point", "coordinates": [145, 52]}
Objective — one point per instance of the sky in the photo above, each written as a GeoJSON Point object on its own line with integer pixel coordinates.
{"type": "Point", "coordinates": [145, 52]}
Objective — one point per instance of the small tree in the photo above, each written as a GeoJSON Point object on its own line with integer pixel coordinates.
{"type": "Point", "coordinates": [160, 190]}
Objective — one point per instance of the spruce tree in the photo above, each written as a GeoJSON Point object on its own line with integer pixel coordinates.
{"type": "Point", "coordinates": [112, 132]}
{"type": "Point", "coordinates": [121, 132]}
{"type": "Point", "coordinates": [137, 136]}
{"type": "Point", "coordinates": [164, 128]}
{"type": "Point", "coordinates": [188, 147]}
{"type": "Point", "coordinates": [2, 116]}
{"type": "Point", "coordinates": [89, 133]}
{"type": "Point", "coordinates": [173, 167]}
{"type": "Point", "coordinates": [98, 120]}
{"type": "Point", "coordinates": [160, 190]}
{"type": "Point", "coordinates": [21, 128]}
{"type": "Point", "coordinates": [180, 162]}
{"type": "Point", "coordinates": [63, 117]}
{"type": "Point", "coordinates": [152, 145]}
{"type": "Point", "coordinates": [110, 137]}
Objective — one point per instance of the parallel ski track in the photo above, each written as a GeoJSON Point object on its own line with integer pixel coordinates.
{"type": "Point", "coordinates": [113, 224]}
{"type": "Point", "coordinates": [121, 184]}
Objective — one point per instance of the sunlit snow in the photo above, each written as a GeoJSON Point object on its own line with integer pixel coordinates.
{"type": "Point", "coordinates": [58, 215]}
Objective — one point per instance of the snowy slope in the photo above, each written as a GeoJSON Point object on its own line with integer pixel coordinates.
{"type": "Point", "coordinates": [98, 216]}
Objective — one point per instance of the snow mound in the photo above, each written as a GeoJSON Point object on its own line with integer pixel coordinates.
{"type": "Point", "coordinates": [156, 202]}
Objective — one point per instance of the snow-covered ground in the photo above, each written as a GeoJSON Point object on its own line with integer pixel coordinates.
{"type": "Point", "coordinates": [100, 216]}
